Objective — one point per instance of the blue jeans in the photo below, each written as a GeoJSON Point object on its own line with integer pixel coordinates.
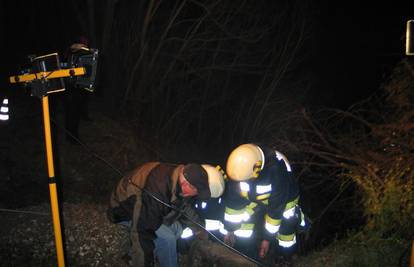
{"type": "Point", "coordinates": [166, 244]}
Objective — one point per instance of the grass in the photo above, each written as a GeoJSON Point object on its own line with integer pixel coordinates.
{"type": "Point", "coordinates": [359, 251]}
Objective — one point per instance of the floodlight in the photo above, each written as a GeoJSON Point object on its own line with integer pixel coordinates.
{"type": "Point", "coordinates": [44, 75]}
{"type": "Point", "coordinates": [47, 63]}
{"type": "Point", "coordinates": [409, 46]}
{"type": "Point", "coordinates": [88, 60]}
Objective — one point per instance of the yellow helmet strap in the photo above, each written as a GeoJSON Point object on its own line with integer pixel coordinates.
{"type": "Point", "coordinates": [257, 168]}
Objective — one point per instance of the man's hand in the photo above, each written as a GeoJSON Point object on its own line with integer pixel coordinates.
{"type": "Point", "coordinates": [229, 239]}
{"type": "Point", "coordinates": [264, 248]}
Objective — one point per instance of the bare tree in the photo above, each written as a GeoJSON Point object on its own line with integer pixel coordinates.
{"type": "Point", "coordinates": [213, 71]}
{"type": "Point", "coordinates": [368, 148]}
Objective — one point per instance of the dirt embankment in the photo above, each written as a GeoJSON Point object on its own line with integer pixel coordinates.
{"type": "Point", "coordinates": [86, 174]}
{"type": "Point", "coordinates": [27, 239]}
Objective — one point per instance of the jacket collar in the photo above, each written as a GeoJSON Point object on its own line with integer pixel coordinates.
{"type": "Point", "coordinates": [174, 182]}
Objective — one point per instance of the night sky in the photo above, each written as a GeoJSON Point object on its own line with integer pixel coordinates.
{"type": "Point", "coordinates": [353, 47]}
{"type": "Point", "coordinates": [357, 46]}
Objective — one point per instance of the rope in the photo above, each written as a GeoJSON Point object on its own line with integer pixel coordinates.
{"type": "Point", "coordinates": [159, 200]}
{"type": "Point", "coordinates": [24, 211]}
{"type": "Point", "coordinates": [86, 147]}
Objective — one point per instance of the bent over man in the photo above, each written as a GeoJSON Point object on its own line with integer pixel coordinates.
{"type": "Point", "coordinates": [155, 227]}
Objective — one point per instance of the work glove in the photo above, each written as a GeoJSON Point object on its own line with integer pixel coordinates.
{"type": "Point", "coordinates": [188, 215]}
{"type": "Point", "coordinates": [171, 217]}
{"type": "Point", "coordinates": [184, 213]}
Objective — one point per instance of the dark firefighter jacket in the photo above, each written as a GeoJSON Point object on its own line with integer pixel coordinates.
{"type": "Point", "coordinates": [261, 201]}
{"type": "Point", "coordinates": [129, 203]}
{"type": "Point", "coordinates": [211, 211]}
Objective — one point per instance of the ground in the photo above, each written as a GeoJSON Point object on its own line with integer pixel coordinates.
{"type": "Point", "coordinates": [86, 173]}
{"type": "Point", "coordinates": [90, 240]}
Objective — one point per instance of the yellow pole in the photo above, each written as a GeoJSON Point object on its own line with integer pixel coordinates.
{"type": "Point", "coordinates": [52, 183]}
{"type": "Point", "coordinates": [412, 255]}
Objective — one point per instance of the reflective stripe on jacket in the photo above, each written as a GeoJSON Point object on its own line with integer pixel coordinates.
{"type": "Point", "coordinates": [263, 200]}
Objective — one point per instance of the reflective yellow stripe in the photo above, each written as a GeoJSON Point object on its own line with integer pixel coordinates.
{"type": "Point", "coordinates": [272, 221]}
{"type": "Point", "coordinates": [286, 241]}
{"type": "Point", "coordinates": [266, 201]}
{"type": "Point", "coordinates": [247, 226]}
{"type": "Point", "coordinates": [262, 197]}
{"type": "Point", "coordinates": [233, 211]}
{"type": "Point", "coordinates": [250, 207]}
{"type": "Point", "coordinates": [272, 225]}
{"type": "Point", "coordinates": [236, 216]}
{"type": "Point", "coordinates": [232, 215]}
{"type": "Point", "coordinates": [244, 194]}
{"type": "Point", "coordinates": [292, 204]}
{"type": "Point", "coordinates": [286, 237]}
{"type": "Point", "coordinates": [246, 230]}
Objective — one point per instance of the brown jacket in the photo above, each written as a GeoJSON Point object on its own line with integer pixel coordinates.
{"type": "Point", "coordinates": [147, 214]}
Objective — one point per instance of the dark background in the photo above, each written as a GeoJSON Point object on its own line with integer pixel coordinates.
{"type": "Point", "coordinates": [347, 51]}
{"type": "Point", "coordinates": [353, 47]}
{"type": "Point", "coordinates": [358, 46]}
{"type": "Point", "coordinates": [201, 105]}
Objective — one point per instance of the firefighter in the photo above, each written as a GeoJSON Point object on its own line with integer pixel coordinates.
{"type": "Point", "coordinates": [76, 98]}
{"type": "Point", "coordinates": [154, 226]}
{"type": "Point", "coordinates": [5, 140]}
{"type": "Point", "coordinates": [210, 211]}
{"type": "Point", "coordinates": [262, 202]}
{"type": "Point", "coordinates": [4, 110]}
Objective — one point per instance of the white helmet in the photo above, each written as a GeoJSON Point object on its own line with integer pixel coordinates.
{"type": "Point", "coordinates": [215, 180]}
{"type": "Point", "coordinates": [245, 162]}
